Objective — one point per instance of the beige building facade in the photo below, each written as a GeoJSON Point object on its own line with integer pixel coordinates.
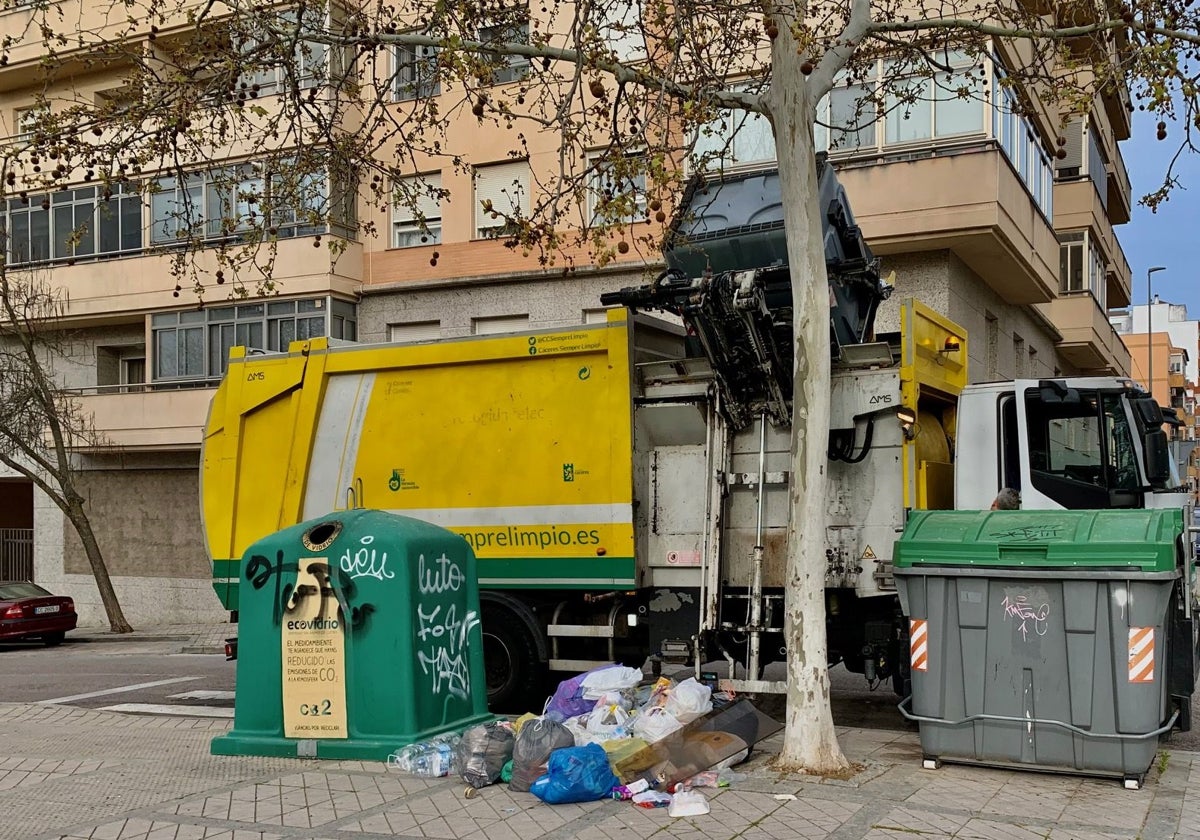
{"type": "Point", "coordinates": [968, 202]}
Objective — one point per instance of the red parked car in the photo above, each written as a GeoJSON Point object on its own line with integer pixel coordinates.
{"type": "Point", "coordinates": [28, 611]}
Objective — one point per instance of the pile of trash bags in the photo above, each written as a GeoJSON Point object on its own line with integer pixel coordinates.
{"type": "Point", "coordinates": [606, 734]}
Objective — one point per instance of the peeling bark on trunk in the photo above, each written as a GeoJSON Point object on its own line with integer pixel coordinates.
{"type": "Point", "coordinates": [810, 741]}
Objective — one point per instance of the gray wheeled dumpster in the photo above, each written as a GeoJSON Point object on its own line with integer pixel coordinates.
{"type": "Point", "coordinates": [1039, 639]}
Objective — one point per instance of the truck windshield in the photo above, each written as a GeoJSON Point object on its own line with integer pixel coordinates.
{"type": "Point", "coordinates": [1081, 447]}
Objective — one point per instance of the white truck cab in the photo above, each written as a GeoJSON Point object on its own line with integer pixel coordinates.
{"type": "Point", "coordinates": [1075, 443]}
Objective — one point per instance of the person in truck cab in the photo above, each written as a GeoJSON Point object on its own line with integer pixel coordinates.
{"type": "Point", "coordinates": [1007, 499]}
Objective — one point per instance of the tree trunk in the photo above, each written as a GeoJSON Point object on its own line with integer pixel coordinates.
{"type": "Point", "coordinates": [108, 596]}
{"type": "Point", "coordinates": [810, 741]}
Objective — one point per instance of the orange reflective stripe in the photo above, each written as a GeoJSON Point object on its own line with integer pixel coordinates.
{"type": "Point", "coordinates": [918, 645]}
{"type": "Point", "coordinates": [1141, 654]}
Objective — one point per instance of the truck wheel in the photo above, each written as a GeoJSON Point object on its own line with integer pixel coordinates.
{"type": "Point", "coordinates": [515, 677]}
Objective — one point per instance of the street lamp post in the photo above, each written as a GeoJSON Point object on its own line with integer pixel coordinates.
{"type": "Point", "coordinates": [1150, 330]}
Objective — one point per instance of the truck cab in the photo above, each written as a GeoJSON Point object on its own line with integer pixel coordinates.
{"type": "Point", "coordinates": [1075, 444]}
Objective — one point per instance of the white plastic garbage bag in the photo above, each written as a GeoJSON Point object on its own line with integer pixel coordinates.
{"type": "Point", "coordinates": [655, 724]}
{"type": "Point", "coordinates": [577, 726]}
{"type": "Point", "coordinates": [608, 722]}
{"type": "Point", "coordinates": [688, 803]}
{"type": "Point", "coordinates": [689, 700]}
{"type": "Point", "coordinates": [596, 683]}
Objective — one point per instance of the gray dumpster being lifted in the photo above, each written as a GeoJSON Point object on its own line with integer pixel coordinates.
{"type": "Point", "coordinates": [1040, 639]}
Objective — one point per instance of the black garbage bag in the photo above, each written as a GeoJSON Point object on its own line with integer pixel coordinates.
{"type": "Point", "coordinates": [483, 752]}
{"type": "Point", "coordinates": [531, 750]}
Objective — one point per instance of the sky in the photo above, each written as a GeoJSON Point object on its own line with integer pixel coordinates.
{"type": "Point", "coordinates": [1171, 236]}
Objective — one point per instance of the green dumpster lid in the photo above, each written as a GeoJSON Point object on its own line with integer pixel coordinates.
{"type": "Point", "coordinates": [1129, 539]}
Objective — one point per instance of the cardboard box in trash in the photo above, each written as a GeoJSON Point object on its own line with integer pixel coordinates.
{"type": "Point", "coordinates": [701, 744]}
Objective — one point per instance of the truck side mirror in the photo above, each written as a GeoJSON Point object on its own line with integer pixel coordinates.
{"type": "Point", "coordinates": [1158, 457]}
{"type": "Point", "coordinates": [1148, 411]}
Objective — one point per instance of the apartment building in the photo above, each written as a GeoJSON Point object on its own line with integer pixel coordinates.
{"type": "Point", "coordinates": [965, 199]}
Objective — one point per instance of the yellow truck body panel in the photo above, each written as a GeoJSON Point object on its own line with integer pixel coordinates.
{"type": "Point", "coordinates": [520, 443]}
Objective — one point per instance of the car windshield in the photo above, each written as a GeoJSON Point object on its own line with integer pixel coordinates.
{"type": "Point", "coordinates": [12, 591]}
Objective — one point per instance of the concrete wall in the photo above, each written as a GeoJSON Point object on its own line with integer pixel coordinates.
{"type": "Point", "coordinates": [77, 366]}
{"type": "Point", "coordinates": [549, 302]}
{"type": "Point", "coordinates": [1003, 341]}
{"type": "Point", "coordinates": [145, 513]}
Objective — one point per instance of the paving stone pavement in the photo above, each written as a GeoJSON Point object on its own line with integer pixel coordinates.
{"type": "Point", "coordinates": [76, 774]}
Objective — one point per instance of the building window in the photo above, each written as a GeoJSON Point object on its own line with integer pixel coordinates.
{"type": "Point", "coordinates": [309, 64]}
{"type": "Point", "coordinates": [935, 105]}
{"type": "Point", "coordinates": [417, 211]}
{"type": "Point", "coordinates": [1072, 267]}
{"type": "Point", "coordinates": [734, 138]}
{"type": "Point", "coordinates": [69, 224]}
{"type": "Point", "coordinates": [846, 119]}
{"type": "Point", "coordinates": [343, 320]}
{"type": "Point", "coordinates": [194, 345]}
{"type": "Point", "coordinates": [1019, 141]}
{"type": "Point", "coordinates": [414, 331]}
{"type": "Point", "coordinates": [414, 72]}
{"type": "Point", "coordinates": [511, 68]}
{"type": "Point", "coordinates": [133, 372]}
{"type": "Point", "coordinates": [501, 195]}
{"type": "Point", "coordinates": [497, 325]}
{"type": "Point", "coordinates": [1097, 165]}
{"type": "Point", "coordinates": [234, 201]}
{"type": "Point", "coordinates": [121, 367]}
{"type": "Point", "coordinates": [1081, 266]}
{"type": "Point", "coordinates": [27, 121]}
{"type": "Point", "coordinates": [920, 109]}
{"type": "Point", "coordinates": [622, 30]}
{"type": "Point", "coordinates": [1084, 156]}
{"type": "Point", "coordinates": [179, 345]}
{"type": "Point", "coordinates": [617, 188]}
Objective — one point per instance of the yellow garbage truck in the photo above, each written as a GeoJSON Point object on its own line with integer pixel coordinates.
{"type": "Point", "coordinates": [624, 484]}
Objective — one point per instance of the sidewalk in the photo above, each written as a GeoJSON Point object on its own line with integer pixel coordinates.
{"type": "Point", "coordinates": [69, 774]}
{"type": "Point", "coordinates": [75, 774]}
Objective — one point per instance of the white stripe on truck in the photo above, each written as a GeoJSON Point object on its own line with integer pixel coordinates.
{"type": "Point", "coordinates": [335, 450]}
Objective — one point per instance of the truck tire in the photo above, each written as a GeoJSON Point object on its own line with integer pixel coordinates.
{"type": "Point", "coordinates": [515, 677]}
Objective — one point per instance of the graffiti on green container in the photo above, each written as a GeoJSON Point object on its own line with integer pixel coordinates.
{"type": "Point", "coordinates": [442, 634]}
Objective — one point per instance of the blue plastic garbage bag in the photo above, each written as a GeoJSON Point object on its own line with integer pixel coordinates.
{"type": "Point", "coordinates": [575, 774]}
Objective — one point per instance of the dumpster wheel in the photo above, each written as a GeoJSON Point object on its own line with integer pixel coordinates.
{"type": "Point", "coordinates": [1135, 782]}
{"type": "Point", "coordinates": [931, 762]}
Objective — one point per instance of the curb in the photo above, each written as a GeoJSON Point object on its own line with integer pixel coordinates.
{"type": "Point", "coordinates": [216, 650]}
{"type": "Point", "coordinates": [124, 637]}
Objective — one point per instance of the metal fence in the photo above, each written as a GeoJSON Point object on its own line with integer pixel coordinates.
{"type": "Point", "coordinates": [16, 554]}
